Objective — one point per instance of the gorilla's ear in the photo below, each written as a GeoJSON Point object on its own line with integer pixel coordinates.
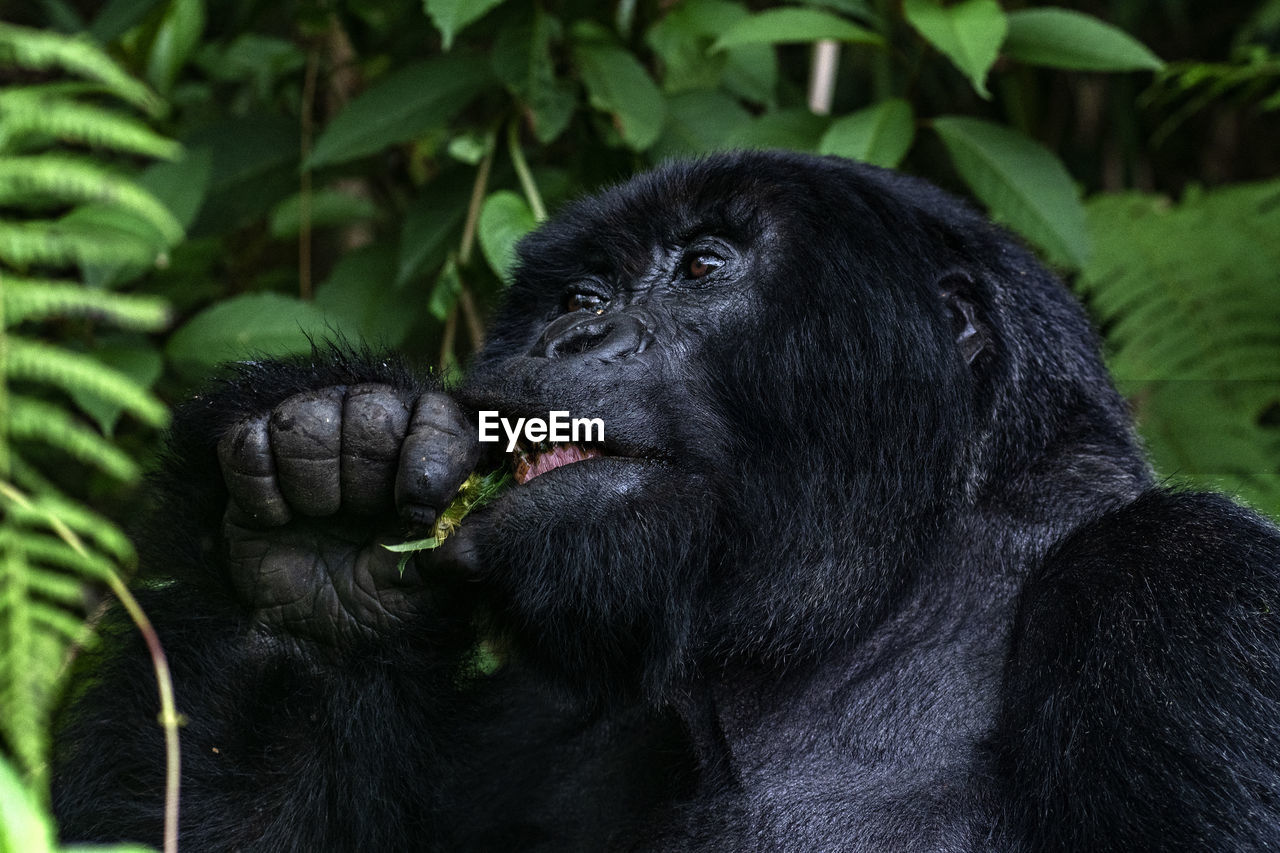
{"type": "Point", "coordinates": [971, 336]}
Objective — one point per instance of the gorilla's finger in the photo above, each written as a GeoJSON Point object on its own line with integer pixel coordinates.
{"type": "Point", "coordinates": [250, 473]}
{"type": "Point", "coordinates": [374, 420]}
{"type": "Point", "coordinates": [439, 453]}
{"type": "Point", "coordinates": [458, 557]}
{"type": "Point", "coordinates": [306, 440]}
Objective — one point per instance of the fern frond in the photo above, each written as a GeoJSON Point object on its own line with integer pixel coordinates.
{"type": "Point", "coordinates": [40, 50]}
{"type": "Point", "coordinates": [66, 180]}
{"type": "Point", "coordinates": [36, 420]}
{"type": "Point", "coordinates": [70, 520]}
{"type": "Point", "coordinates": [38, 362]}
{"type": "Point", "coordinates": [29, 478]}
{"type": "Point", "coordinates": [54, 552]}
{"type": "Point", "coordinates": [35, 299]}
{"type": "Point", "coordinates": [1189, 298]}
{"type": "Point", "coordinates": [25, 669]}
{"type": "Point", "coordinates": [25, 821]}
{"type": "Point", "coordinates": [32, 112]}
{"type": "Point", "coordinates": [59, 243]}
{"type": "Point", "coordinates": [1187, 88]}
{"type": "Point", "coordinates": [66, 590]}
{"type": "Point", "coordinates": [1191, 291]}
{"type": "Point", "coordinates": [56, 621]}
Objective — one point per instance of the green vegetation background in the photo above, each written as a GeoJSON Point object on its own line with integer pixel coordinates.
{"type": "Point", "coordinates": [184, 182]}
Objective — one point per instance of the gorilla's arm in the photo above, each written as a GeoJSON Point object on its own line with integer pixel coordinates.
{"type": "Point", "coordinates": [330, 703]}
{"type": "Point", "coordinates": [1144, 689]}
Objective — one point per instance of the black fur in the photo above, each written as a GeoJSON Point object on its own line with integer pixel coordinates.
{"type": "Point", "coordinates": [873, 562]}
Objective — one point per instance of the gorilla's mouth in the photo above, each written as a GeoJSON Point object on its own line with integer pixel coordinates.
{"type": "Point", "coordinates": [536, 460]}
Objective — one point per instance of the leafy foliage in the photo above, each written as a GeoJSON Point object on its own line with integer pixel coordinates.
{"type": "Point", "coordinates": [401, 152]}
{"type": "Point", "coordinates": [1021, 182]}
{"type": "Point", "coordinates": [62, 209]}
{"type": "Point", "coordinates": [1186, 88]}
{"type": "Point", "coordinates": [1189, 296]}
{"type": "Point", "coordinates": [367, 168]}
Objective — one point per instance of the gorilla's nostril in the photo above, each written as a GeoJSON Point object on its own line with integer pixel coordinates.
{"type": "Point", "coordinates": [577, 342]}
{"type": "Point", "coordinates": [605, 337]}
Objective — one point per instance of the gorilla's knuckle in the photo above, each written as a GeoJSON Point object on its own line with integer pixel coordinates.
{"type": "Point", "coordinates": [308, 425]}
{"type": "Point", "coordinates": [374, 421]}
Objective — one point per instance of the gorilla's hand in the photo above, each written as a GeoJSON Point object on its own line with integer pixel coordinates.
{"type": "Point", "coordinates": [318, 484]}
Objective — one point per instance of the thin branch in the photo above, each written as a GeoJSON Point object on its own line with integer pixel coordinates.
{"type": "Point", "coordinates": [522, 171]}
{"type": "Point", "coordinates": [478, 189]}
{"type": "Point", "coordinates": [475, 328]}
{"type": "Point", "coordinates": [447, 357]}
{"type": "Point", "coordinates": [169, 718]}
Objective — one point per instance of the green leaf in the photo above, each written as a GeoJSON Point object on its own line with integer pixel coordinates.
{"type": "Point", "coordinates": [358, 299]}
{"type": "Point", "coordinates": [119, 16]}
{"type": "Point", "coordinates": [327, 207]}
{"type": "Point", "coordinates": [65, 242]}
{"type": "Point", "coordinates": [139, 360]}
{"type": "Point", "coordinates": [23, 824]}
{"type": "Point", "coordinates": [34, 420]}
{"type": "Point", "coordinates": [860, 9]}
{"type": "Point", "coordinates": [969, 33]}
{"type": "Point", "coordinates": [522, 59]}
{"type": "Point", "coordinates": [257, 59]}
{"type": "Point", "coordinates": [682, 39]}
{"type": "Point", "coordinates": [617, 83]}
{"type": "Point", "coordinates": [1061, 38]}
{"type": "Point", "coordinates": [453, 16]}
{"type": "Point", "coordinates": [31, 114]}
{"type": "Point", "coordinates": [880, 134]}
{"type": "Point", "coordinates": [406, 104]}
{"type": "Point", "coordinates": [504, 219]}
{"type": "Point", "coordinates": [698, 122]}
{"type": "Point", "coordinates": [796, 129]}
{"type": "Point", "coordinates": [1187, 295]}
{"type": "Point", "coordinates": [38, 362]}
{"type": "Point", "coordinates": [181, 185]}
{"type": "Point", "coordinates": [243, 148]}
{"type": "Point", "coordinates": [178, 34]}
{"type": "Point", "coordinates": [433, 219]}
{"type": "Point", "coordinates": [445, 293]}
{"type": "Point", "coordinates": [254, 166]}
{"type": "Point", "coordinates": [36, 299]}
{"type": "Point", "coordinates": [63, 178]}
{"type": "Point", "coordinates": [38, 50]}
{"type": "Point", "coordinates": [784, 26]}
{"type": "Point", "coordinates": [256, 325]}
{"type": "Point", "coordinates": [1022, 184]}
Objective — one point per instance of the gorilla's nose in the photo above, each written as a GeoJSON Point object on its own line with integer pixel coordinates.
{"type": "Point", "coordinates": [602, 336]}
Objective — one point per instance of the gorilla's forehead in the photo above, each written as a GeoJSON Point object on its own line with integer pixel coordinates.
{"type": "Point", "coordinates": [742, 197]}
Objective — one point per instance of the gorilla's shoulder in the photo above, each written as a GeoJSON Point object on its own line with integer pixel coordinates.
{"type": "Point", "coordinates": [1200, 548]}
{"type": "Point", "coordinates": [1143, 688]}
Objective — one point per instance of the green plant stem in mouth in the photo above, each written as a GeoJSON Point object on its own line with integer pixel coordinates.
{"type": "Point", "coordinates": [476, 491]}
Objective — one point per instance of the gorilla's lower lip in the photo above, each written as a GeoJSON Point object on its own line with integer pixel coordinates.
{"type": "Point", "coordinates": [530, 463]}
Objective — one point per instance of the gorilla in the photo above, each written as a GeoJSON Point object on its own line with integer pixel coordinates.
{"type": "Point", "coordinates": [868, 559]}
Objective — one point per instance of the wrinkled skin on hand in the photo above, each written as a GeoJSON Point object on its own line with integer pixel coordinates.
{"type": "Point", "coordinates": [313, 484]}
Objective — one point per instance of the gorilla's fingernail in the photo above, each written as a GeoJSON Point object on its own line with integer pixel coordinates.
{"type": "Point", "coordinates": [418, 515]}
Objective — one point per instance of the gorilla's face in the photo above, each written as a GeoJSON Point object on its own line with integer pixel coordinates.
{"type": "Point", "coordinates": [784, 365]}
{"type": "Point", "coordinates": [630, 320]}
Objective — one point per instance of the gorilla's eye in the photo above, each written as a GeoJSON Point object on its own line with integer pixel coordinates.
{"type": "Point", "coordinates": [584, 302]}
{"type": "Point", "coordinates": [700, 265]}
